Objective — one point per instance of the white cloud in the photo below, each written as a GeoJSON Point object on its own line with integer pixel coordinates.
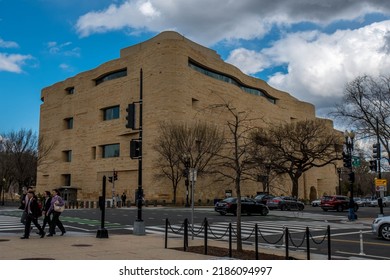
{"type": "Point", "coordinates": [209, 22]}
{"type": "Point", "coordinates": [248, 61]}
{"type": "Point", "coordinates": [13, 62]}
{"type": "Point", "coordinates": [8, 44]}
{"type": "Point", "coordinates": [320, 65]}
{"type": "Point", "coordinates": [63, 49]}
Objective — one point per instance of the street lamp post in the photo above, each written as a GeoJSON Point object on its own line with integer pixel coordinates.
{"type": "Point", "coordinates": [268, 169]}
{"type": "Point", "coordinates": [349, 137]}
{"type": "Point", "coordinates": [187, 164]}
{"type": "Point", "coordinates": [3, 191]}
{"type": "Point", "coordinates": [339, 171]}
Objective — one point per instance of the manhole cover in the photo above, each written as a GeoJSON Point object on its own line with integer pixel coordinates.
{"type": "Point", "coordinates": [82, 245]}
{"type": "Point", "coordinates": [4, 240]}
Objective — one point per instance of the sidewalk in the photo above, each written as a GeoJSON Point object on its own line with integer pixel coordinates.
{"type": "Point", "coordinates": [73, 246]}
{"type": "Point", "coordinates": [86, 247]}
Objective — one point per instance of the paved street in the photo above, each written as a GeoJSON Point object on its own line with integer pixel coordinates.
{"type": "Point", "coordinates": [345, 235]}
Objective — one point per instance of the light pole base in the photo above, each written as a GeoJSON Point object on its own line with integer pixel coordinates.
{"type": "Point", "coordinates": [351, 215]}
{"type": "Point", "coordinates": [139, 228]}
{"type": "Point", "coordinates": [102, 233]}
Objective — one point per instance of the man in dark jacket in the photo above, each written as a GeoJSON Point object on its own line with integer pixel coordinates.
{"type": "Point", "coordinates": [33, 212]}
{"type": "Point", "coordinates": [45, 209]}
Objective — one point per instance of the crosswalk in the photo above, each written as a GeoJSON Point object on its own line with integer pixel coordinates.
{"type": "Point", "coordinates": [216, 230]}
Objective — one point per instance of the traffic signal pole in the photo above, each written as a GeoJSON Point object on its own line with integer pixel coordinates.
{"type": "Point", "coordinates": [377, 156]}
{"type": "Point", "coordinates": [139, 225]}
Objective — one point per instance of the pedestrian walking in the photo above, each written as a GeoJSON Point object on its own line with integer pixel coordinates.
{"type": "Point", "coordinates": [56, 201]}
{"type": "Point", "coordinates": [33, 213]}
{"type": "Point", "coordinates": [23, 203]}
{"type": "Point", "coordinates": [123, 199]}
{"type": "Point", "coordinates": [45, 209]}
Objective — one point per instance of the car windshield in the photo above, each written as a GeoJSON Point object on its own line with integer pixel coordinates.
{"type": "Point", "coordinates": [230, 200]}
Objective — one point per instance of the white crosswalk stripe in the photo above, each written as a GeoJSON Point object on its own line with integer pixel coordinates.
{"type": "Point", "coordinates": [10, 223]}
{"type": "Point", "coordinates": [247, 228]}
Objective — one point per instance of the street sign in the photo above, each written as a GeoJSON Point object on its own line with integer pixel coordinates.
{"type": "Point", "coordinates": [381, 185]}
{"type": "Point", "coordinates": [355, 161]}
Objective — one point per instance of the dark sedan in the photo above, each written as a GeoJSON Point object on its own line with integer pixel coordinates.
{"type": "Point", "coordinates": [248, 206]}
{"type": "Point", "coordinates": [285, 203]}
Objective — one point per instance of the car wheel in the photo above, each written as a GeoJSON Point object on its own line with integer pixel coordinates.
{"type": "Point", "coordinates": [222, 213]}
{"type": "Point", "coordinates": [384, 231]}
{"type": "Point", "coordinates": [301, 207]}
{"type": "Point", "coordinates": [325, 210]}
{"type": "Point", "coordinates": [339, 208]}
{"type": "Point", "coordinates": [264, 212]}
{"type": "Point", "coordinates": [283, 207]}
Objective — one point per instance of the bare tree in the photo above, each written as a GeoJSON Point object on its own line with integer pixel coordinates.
{"type": "Point", "coordinates": [296, 147]}
{"type": "Point", "coordinates": [234, 161]}
{"type": "Point", "coordinates": [366, 101]}
{"type": "Point", "coordinates": [19, 157]}
{"type": "Point", "coordinates": [198, 142]}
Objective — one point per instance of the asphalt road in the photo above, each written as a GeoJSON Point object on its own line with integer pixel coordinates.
{"type": "Point", "coordinates": [349, 240]}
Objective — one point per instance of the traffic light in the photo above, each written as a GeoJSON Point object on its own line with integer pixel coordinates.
{"type": "Point", "coordinates": [373, 165]}
{"type": "Point", "coordinates": [347, 159]}
{"type": "Point", "coordinates": [376, 151]}
{"type": "Point", "coordinates": [115, 175]}
{"type": "Point", "coordinates": [130, 116]}
{"type": "Point", "coordinates": [135, 149]}
{"type": "Point", "coordinates": [110, 179]}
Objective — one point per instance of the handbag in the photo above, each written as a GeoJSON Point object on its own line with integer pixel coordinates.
{"type": "Point", "coordinates": [58, 208]}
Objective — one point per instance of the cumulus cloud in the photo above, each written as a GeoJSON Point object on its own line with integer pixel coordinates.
{"type": "Point", "coordinates": [320, 65]}
{"type": "Point", "coordinates": [209, 22]}
{"type": "Point", "coordinates": [13, 62]}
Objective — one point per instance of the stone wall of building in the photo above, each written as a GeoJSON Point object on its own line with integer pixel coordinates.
{"type": "Point", "coordinates": [172, 92]}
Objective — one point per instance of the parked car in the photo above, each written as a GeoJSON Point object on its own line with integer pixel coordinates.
{"type": "Point", "coordinates": [316, 203]}
{"type": "Point", "coordinates": [285, 203]}
{"type": "Point", "coordinates": [336, 202]}
{"type": "Point", "coordinates": [385, 202]}
{"type": "Point", "coordinates": [248, 206]}
{"type": "Point", "coordinates": [361, 202]}
{"type": "Point", "coordinates": [264, 198]}
{"type": "Point", "coordinates": [381, 227]}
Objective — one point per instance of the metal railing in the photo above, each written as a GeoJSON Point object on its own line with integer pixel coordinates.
{"type": "Point", "coordinates": [256, 233]}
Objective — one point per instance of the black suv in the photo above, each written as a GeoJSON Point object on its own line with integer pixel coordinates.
{"type": "Point", "coordinates": [336, 202]}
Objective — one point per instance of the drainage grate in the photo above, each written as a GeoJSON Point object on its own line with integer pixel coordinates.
{"type": "Point", "coordinates": [4, 240]}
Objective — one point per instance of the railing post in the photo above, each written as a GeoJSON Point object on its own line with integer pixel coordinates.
{"type": "Point", "coordinates": [166, 233]}
{"type": "Point", "coordinates": [230, 240]}
{"type": "Point", "coordinates": [329, 247]}
{"type": "Point", "coordinates": [286, 241]}
{"type": "Point", "coordinates": [206, 225]}
{"type": "Point", "coordinates": [185, 234]}
{"type": "Point", "coordinates": [308, 243]}
{"type": "Point", "coordinates": [256, 241]}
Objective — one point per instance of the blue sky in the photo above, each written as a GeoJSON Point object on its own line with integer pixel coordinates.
{"type": "Point", "coordinates": [310, 49]}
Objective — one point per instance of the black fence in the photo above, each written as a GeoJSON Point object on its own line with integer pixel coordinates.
{"type": "Point", "coordinates": [256, 233]}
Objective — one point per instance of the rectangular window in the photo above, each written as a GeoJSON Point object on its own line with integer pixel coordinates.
{"type": "Point", "coordinates": [66, 179]}
{"type": "Point", "coordinates": [111, 150]}
{"type": "Point", "coordinates": [68, 156]}
{"type": "Point", "coordinates": [69, 123]}
{"type": "Point", "coordinates": [111, 113]}
{"type": "Point", "coordinates": [70, 90]}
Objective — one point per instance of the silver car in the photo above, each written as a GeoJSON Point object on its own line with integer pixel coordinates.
{"type": "Point", "coordinates": [381, 227]}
